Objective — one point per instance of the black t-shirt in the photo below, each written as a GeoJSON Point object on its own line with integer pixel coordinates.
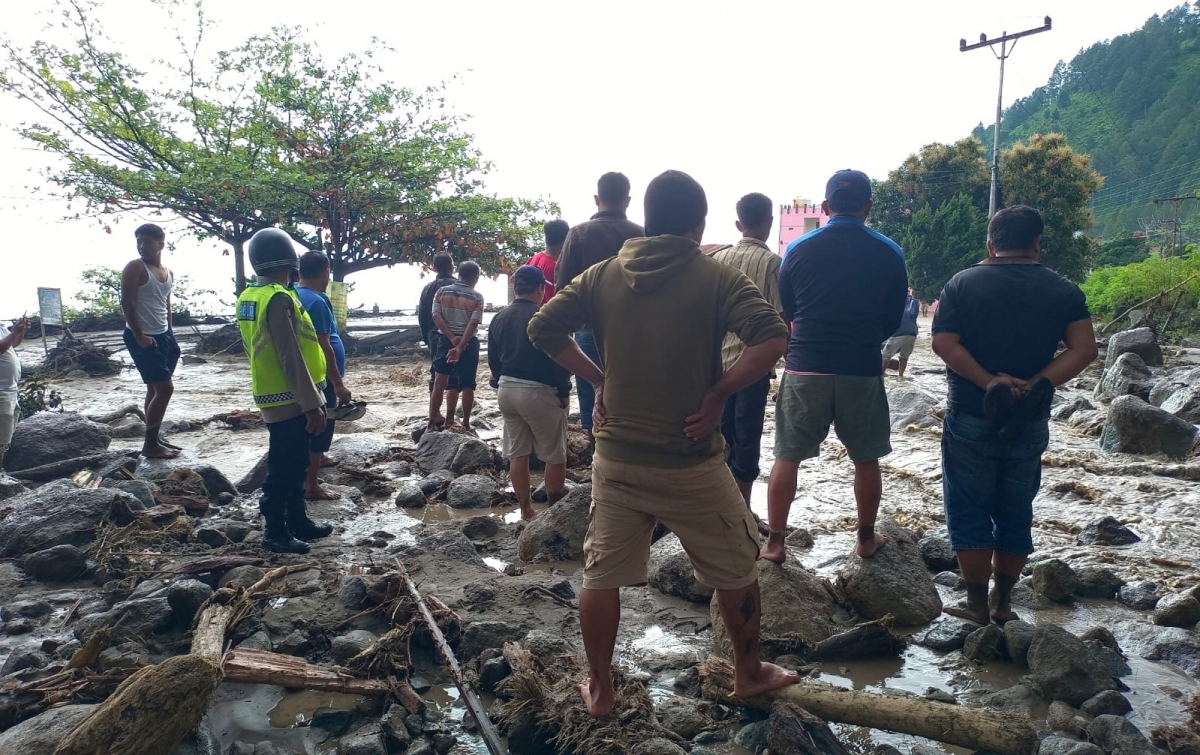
{"type": "Point", "coordinates": [425, 305]}
{"type": "Point", "coordinates": [1010, 317]}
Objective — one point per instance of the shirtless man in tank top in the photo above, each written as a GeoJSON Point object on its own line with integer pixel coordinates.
{"type": "Point", "coordinates": [146, 302]}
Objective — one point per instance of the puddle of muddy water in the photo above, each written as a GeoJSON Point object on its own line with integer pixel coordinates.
{"type": "Point", "coordinates": [297, 708]}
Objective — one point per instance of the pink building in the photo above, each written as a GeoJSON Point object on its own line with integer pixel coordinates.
{"type": "Point", "coordinates": [797, 219]}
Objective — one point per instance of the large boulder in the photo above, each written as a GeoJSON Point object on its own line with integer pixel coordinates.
{"type": "Point", "coordinates": [798, 609]}
{"type": "Point", "coordinates": [911, 407]}
{"type": "Point", "coordinates": [1174, 380]}
{"type": "Point", "coordinates": [459, 453]}
{"type": "Point", "coordinates": [62, 563]}
{"type": "Point", "coordinates": [1128, 376]}
{"type": "Point", "coordinates": [48, 437]}
{"type": "Point", "coordinates": [557, 533]}
{"type": "Point", "coordinates": [59, 513]}
{"type": "Point", "coordinates": [1140, 341]}
{"type": "Point", "coordinates": [358, 450]}
{"type": "Point", "coordinates": [1063, 667]}
{"type": "Point", "coordinates": [41, 734]}
{"type": "Point", "coordinates": [471, 491]}
{"type": "Point", "coordinates": [1135, 427]}
{"type": "Point", "coordinates": [670, 572]}
{"type": "Point", "coordinates": [894, 581]}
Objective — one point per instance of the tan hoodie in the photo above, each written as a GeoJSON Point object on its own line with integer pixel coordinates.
{"type": "Point", "coordinates": [660, 311]}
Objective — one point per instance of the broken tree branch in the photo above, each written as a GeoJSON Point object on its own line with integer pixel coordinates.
{"type": "Point", "coordinates": [262, 667]}
{"type": "Point", "coordinates": [1159, 295]}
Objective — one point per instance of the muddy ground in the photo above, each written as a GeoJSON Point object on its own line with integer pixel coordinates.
{"type": "Point", "coordinates": [660, 635]}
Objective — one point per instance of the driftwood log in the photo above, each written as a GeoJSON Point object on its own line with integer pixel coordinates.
{"type": "Point", "coordinates": [977, 729]}
{"type": "Point", "coordinates": [58, 469]}
{"type": "Point", "coordinates": [262, 667]}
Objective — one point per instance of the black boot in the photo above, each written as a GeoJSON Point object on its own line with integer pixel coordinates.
{"type": "Point", "coordinates": [277, 538]}
{"type": "Point", "coordinates": [304, 528]}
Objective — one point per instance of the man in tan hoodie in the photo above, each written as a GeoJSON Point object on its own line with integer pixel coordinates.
{"type": "Point", "coordinates": [660, 311]}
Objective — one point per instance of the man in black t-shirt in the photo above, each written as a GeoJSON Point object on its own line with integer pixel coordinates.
{"type": "Point", "coordinates": [443, 267]}
{"type": "Point", "coordinates": [997, 327]}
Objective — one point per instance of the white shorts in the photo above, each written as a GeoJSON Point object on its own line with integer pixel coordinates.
{"type": "Point", "coordinates": [902, 345]}
{"type": "Point", "coordinates": [8, 417]}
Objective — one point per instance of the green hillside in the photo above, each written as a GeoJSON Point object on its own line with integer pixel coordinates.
{"type": "Point", "coordinates": [1133, 105]}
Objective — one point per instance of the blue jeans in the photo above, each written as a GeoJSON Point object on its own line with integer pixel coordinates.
{"type": "Point", "coordinates": [988, 485]}
{"type": "Point", "coordinates": [587, 395]}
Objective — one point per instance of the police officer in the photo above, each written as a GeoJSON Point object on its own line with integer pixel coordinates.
{"type": "Point", "coordinates": [287, 373]}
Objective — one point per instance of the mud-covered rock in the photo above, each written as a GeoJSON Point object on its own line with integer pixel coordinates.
{"type": "Point", "coordinates": [58, 513]}
{"type": "Point", "coordinates": [1064, 718]}
{"type": "Point", "coordinates": [471, 491]}
{"type": "Point", "coordinates": [1168, 644]}
{"type": "Point", "coordinates": [460, 454]}
{"type": "Point", "coordinates": [657, 746]}
{"type": "Point", "coordinates": [242, 576]}
{"type": "Point", "coordinates": [481, 527]}
{"type": "Point", "coordinates": [1135, 427]}
{"type": "Point", "coordinates": [894, 581]}
{"type": "Point", "coordinates": [670, 572]}
{"type": "Point", "coordinates": [48, 437]}
{"type": "Point", "coordinates": [1063, 668]}
{"type": "Point", "coordinates": [1107, 531]}
{"type": "Point", "coordinates": [948, 633]}
{"type": "Point", "coordinates": [1088, 423]}
{"type": "Point", "coordinates": [1140, 341]}
{"type": "Point", "coordinates": [1118, 735]}
{"type": "Point", "coordinates": [62, 563]}
{"type": "Point", "coordinates": [367, 741]}
{"type": "Point", "coordinates": [186, 596]}
{"type": "Point", "coordinates": [1055, 579]}
{"type": "Point", "coordinates": [1140, 596]}
{"type": "Point", "coordinates": [484, 635]}
{"type": "Point", "coordinates": [1097, 582]}
{"type": "Point", "coordinates": [215, 481]}
{"type": "Point", "coordinates": [132, 620]}
{"type": "Point", "coordinates": [41, 734]}
{"type": "Point", "coordinates": [798, 609]}
{"type": "Point", "coordinates": [1127, 376]}
{"type": "Point", "coordinates": [1110, 702]}
{"type": "Point", "coordinates": [985, 644]}
{"type": "Point", "coordinates": [1179, 610]}
{"type": "Point", "coordinates": [352, 592]}
{"type": "Point", "coordinates": [909, 406]}
{"type": "Point", "coordinates": [1064, 746]}
{"type": "Point", "coordinates": [410, 496]}
{"type": "Point", "coordinates": [1018, 698]}
{"type": "Point", "coordinates": [681, 716]}
{"type": "Point", "coordinates": [451, 544]}
{"type": "Point", "coordinates": [557, 533]}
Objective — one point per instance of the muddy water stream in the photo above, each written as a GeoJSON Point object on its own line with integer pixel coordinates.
{"type": "Point", "coordinates": [1080, 485]}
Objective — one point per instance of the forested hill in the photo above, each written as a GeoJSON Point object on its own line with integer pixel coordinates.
{"type": "Point", "coordinates": [1133, 105]}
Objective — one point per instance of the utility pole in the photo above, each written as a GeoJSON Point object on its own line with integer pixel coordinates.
{"type": "Point", "coordinates": [1175, 221]}
{"type": "Point", "coordinates": [1005, 50]}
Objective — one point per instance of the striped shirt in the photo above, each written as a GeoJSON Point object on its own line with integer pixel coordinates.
{"type": "Point", "coordinates": [458, 304]}
{"type": "Point", "coordinates": [761, 265]}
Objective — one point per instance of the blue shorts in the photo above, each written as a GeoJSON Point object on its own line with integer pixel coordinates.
{"type": "Point", "coordinates": [156, 364]}
{"type": "Point", "coordinates": [988, 486]}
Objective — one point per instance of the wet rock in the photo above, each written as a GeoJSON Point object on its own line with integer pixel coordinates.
{"type": "Point", "coordinates": [1064, 718]}
{"type": "Point", "coordinates": [335, 721]}
{"type": "Point", "coordinates": [481, 527]}
{"type": "Point", "coordinates": [753, 736]}
{"type": "Point", "coordinates": [1180, 610]}
{"type": "Point", "coordinates": [1109, 702]}
{"type": "Point", "coordinates": [436, 481]}
{"type": "Point", "coordinates": [10, 487]}
{"type": "Point", "coordinates": [948, 633]}
{"type": "Point", "coordinates": [471, 492]}
{"type": "Point", "coordinates": [410, 496]}
{"type": "Point", "coordinates": [242, 576]}
{"type": "Point", "coordinates": [253, 479]}
{"type": "Point", "coordinates": [1089, 423]}
{"type": "Point", "coordinates": [1097, 582]}
{"type": "Point", "coordinates": [133, 620]}
{"type": "Point", "coordinates": [1128, 376]}
{"type": "Point", "coordinates": [799, 538]}
{"type": "Point", "coordinates": [369, 742]}
{"type": "Point", "coordinates": [894, 581]}
{"type": "Point", "coordinates": [1065, 411]}
{"type": "Point", "coordinates": [395, 732]}
{"type": "Point", "coordinates": [797, 607]}
{"type": "Point", "coordinates": [18, 626]}
{"type": "Point", "coordinates": [425, 747]}
{"type": "Point", "coordinates": [657, 746]}
{"type": "Point", "coordinates": [1140, 596]}
{"type": "Point", "coordinates": [670, 572]}
{"type": "Point", "coordinates": [451, 544]}
{"type": "Point", "coordinates": [1107, 531]}
{"type": "Point", "coordinates": [1135, 427]}
{"type": "Point", "coordinates": [458, 453]}
{"type": "Point", "coordinates": [1183, 402]}
{"type": "Point", "coordinates": [1169, 644]}
{"type": "Point", "coordinates": [350, 644]}
{"type": "Point", "coordinates": [525, 737]}
{"type": "Point", "coordinates": [492, 672]}
{"type": "Point", "coordinates": [479, 593]}
{"type": "Point", "coordinates": [210, 536]}
{"type": "Point", "coordinates": [186, 596]}
{"type": "Point", "coordinates": [24, 658]}
{"type": "Point", "coordinates": [681, 716]}
{"type": "Point", "coordinates": [58, 513]}
{"type": "Point", "coordinates": [1140, 341]}
{"type": "Point", "coordinates": [140, 489]}
{"type": "Point", "coordinates": [1055, 579]}
{"type": "Point", "coordinates": [1063, 668]}
{"type": "Point", "coordinates": [1118, 735]}
{"type": "Point", "coordinates": [1064, 746]}
{"type": "Point", "coordinates": [129, 427]}
{"type": "Point", "coordinates": [938, 553]}
{"type": "Point", "coordinates": [1101, 635]}
{"type": "Point", "coordinates": [352, 592]}
{"type": "Point", "coordinates": [557, 533]}
{"type": "Point", "coordinates": [257, 641]}
{"type": "Point", "coordinates": [1113, 661]}
{"type": "Point", "coordinates": [911, 407]}
{"type": "Point", "coordinates": [1024, 596]}
{"type": "Point", "coordinates": [296, 643]}
{"type": "Point", "coordinates": [41, 734]}
{"type": "Point", "coordinates": [285, 614]}
{"type": "Point", "coordinates": [985, 644]}
{"type": "Point", "coordinates": [1018, 698]}
{"type": "Point", "coordinates": [62, 563]}
{"type": "Point", "coordinates": [950, 579]}
{"type": "Point", "coordinates": [215, 482]}
{"type": "Point", "coordinates": [479, 636]}
{"type": "Point", "coordinates": [443, 742]}
{"type": "Point", "coordinates": [48, 437]}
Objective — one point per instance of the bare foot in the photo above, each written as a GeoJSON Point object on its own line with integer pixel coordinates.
{"type": "Point", "coordinates": [775, 550]}
{"type": "Point", "coordinates": [327, 462]}
{"type": "Point", "coordinates": [159, 451]}
{"type": "Point", "coordinates": [321, 494]}
{"type": "Point", "coordinates": [763, 528]}
{"type": "Point", "coordinates": [868, 548]}
{"type": "Point", "coordinates": [166, 444]}
{"type": "Point", "coordinates": [528, 513]}
{"type": "Point", "coordinates": [597, 697]}
{"type": "Point", "coordinates": [768, 677]}
{"type": "Point", "coordinates": [449, 425]}
{"type": "Point", "coordinates": [963, 610]}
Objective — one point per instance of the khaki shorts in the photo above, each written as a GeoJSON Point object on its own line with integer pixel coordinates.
{"type": "Point", "coordinates": [700, 504]}
{"type": "Point", "coordinates": [534, 422]}
{"type": "Point", "coordinates": [857, 407]}
{"type": "Point", "coordinates": [8, 417]}
{"type": "Point", "coordinates": [902, 345]}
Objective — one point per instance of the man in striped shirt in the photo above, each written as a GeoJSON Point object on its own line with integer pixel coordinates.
{"type": "Point", "coordinates": [745, 411]}
{"type": "Point", "coordinates": [457, 315]}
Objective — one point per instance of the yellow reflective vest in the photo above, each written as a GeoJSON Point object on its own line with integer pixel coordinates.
{"type": "Point", "coordinates": [267, 377]}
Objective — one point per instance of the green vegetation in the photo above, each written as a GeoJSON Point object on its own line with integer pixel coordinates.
{"type": "Point", "coordinates": [1113, 290]}
{"type": "Point", "coordinates": [100, 295]}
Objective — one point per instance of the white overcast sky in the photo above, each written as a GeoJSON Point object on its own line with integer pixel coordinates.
{"type": "Point", "coordinates": [754, 95]}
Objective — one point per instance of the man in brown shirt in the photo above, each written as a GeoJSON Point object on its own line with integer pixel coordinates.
{"type": "Point", "coordinates": [590, 243]}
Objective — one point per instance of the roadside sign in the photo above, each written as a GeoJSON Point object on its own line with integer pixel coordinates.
{"type": "Point", "coordinates": [50, 306]}
{"type": "Point", "coordinates": [337, 297]}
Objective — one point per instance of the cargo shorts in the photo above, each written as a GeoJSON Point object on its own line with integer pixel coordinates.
{"type": "Point", "coordinates": [856, 406]}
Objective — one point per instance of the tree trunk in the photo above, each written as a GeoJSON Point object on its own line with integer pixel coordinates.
{"type": "Point", "coordinates": [262, 667]}
{"type": "Point", "coordinates": [974, 728]}
{"type": "Point", "coordinates": [239, 265]}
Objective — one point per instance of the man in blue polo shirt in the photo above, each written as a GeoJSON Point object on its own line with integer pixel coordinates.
{"type": "Point", "coordinates": [843, 289]}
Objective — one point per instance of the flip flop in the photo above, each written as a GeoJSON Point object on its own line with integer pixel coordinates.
{"type": "Point", "coordinates": [998, 403]}
{"type": "Point", "coordinates": [1034, 404]}
{"type": "Point", "coordinates": [348, 412]}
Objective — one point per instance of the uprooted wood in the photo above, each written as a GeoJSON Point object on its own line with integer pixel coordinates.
{"type": "Point", "coordinates": [58, 469]}
{"type": "Point", "coordinates": [874, 639]}
{"type": "Point", "coordinates": [119, 414]}
{"type": "Point", "coordinates": [72, 354]}
{"type": "Point", "coordinates": [978, 729]}
{"type": "Point", "coordinates": [262, 667]}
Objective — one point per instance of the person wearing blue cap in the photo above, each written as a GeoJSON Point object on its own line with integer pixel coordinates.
{"type": "Point", "coordinates": [843, 289]}
{"type": "Point", "coordinates": [533, 392]}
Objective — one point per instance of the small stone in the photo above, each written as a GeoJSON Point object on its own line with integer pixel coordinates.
{"type": "Point", "coordinates": [983, 645]}
{"type": "Point", "coordinates": [1055, 579]}
{"type": "Point", "coordinates": [210, 536]}
{"type": "Point", "coordinates": [940, 696]}
{"type": "Point", "coordinates": [1109, 702]}
{"type": "Point", "coordinates": [225, 498]}
{"type": "Point", "coordinates": [1018, 698]}
{"type": "Point", "coordinates": [681, 716]}
{"type": "Point", "coordinates": [492, 673]}
{"type": "Point", "coordinates": [1097, 582]}
{"type": "Point", "coordinates": [948, 633]}
{"type": "Point", "coordinates": [939, 555]}
{"type": "Point", "coordinates": [471, 491]}
{"type": "Point", "coordinates": [1140, 596]}
{"type": "Point", "coordinates": [950, 579]}
{"type": "Point", "coordinates": [443, 742]}
{"type": "Point", "coordinates": [1024, 596]}
{"type": "Point", "coordinates": [1107, 531]}
{"type": "Point", "coordinates": [352, 593]}
{"type": "Point", "coordinates": [753, 736]}
{"type": "Point", "coordinates": [18, 627]}
{"type": "Point", "coordinates": [296, 643]}
{"type": "Point", "coordinates": [436, 481]}
{"type": "Point", "coordinates": [236, 532]}
{"type": "Point", "coordinates": [352, 643]}
{"type": "Point", "coordinates": [410, 496]}
{"type": "Point", "coordinates": [481, 527]}
{"type": "Point", "coordinates": [800, 539]}
{"type": "Point", "coordinates": [186, 596]}
{"type": "Point", "coordinates": [395, 732]}
{"type": "Point", "coordinates": [242, 576]}
{"type": "Point", "coordinates": [333, 720]}
{"type": "Point", "coordinates": [1064, 718]}
{"type": "Point", "coordinates": [415, 724]}
{"type": "Point", "coordinates": [62, 563]}
{"type": "Point", "coordinates": [1179, 610]}
{"type": "Point", "coordinates": [257, 641]}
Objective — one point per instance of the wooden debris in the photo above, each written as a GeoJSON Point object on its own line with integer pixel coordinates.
{"type": "Point", "coordinates": [262, 667]}
{"type": "Point", "coordinates": [120, 414]}
{"type": "Point", "coordinates": [797, 732]}
{"type": "Point", "coordinates": [871, 640]}
{"type": "Point", "coordinates": [67, 467]}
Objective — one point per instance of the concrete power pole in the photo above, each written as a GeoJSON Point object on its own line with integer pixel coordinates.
{"type": "Point", "coordinates": [1175, 221]}
{"type": "Point", "coordinates": [1005, 50]}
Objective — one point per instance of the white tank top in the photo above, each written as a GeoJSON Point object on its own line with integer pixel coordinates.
{"type": "Point", "coordinates": [152, 303]}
